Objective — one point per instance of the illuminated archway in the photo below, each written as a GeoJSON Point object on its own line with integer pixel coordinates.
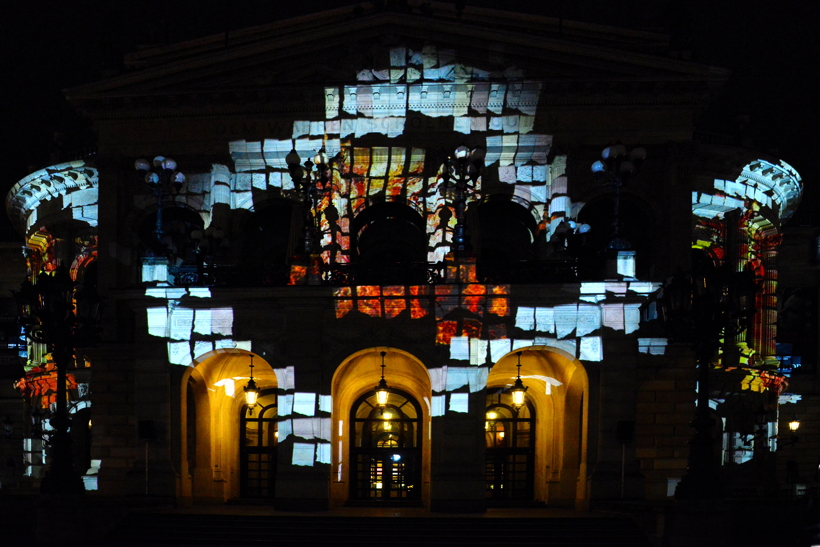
{"type": "Point", "coordinates": [558, 388]}
{"type": "Point", "coordinates": [212, 400]}
{"type": "Point", "coordinates": [356, 377]}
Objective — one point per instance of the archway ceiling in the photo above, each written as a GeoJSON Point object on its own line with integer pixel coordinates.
{"type": "Point", "coordinates": [235, 364]}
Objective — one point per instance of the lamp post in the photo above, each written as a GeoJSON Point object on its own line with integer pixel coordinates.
{"type": "Point", "coordinates": [163, 179]}
{"type": "Point", "coordinates": [313, 179]}
{"type": "Point", "coordinates": [701, 309]}
{"type": "Point", "coordinates": [461, 171]}
{"type": "Point", "coordinates": [615, 169]}
{"type": "Point", "coordinates": [48, 313]}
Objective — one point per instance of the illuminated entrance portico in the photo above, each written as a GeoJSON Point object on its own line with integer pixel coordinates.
{"type": "Point", "coordinates": [381, 453]}
{"type": "Point", "coordinates": [550, 431]}
{"type": "Point", "coordinates": [220, 460]}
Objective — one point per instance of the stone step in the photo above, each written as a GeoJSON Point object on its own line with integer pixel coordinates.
{"type": "Point", "coordinates": [229, 530]}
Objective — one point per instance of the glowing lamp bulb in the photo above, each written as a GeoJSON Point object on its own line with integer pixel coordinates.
{"type": "Point", "coordinates": [518, 397]}
{"type": "Point", "coordinates": [381, 396]}
{"type": "Point", "coordinates": [492, 415]}
{"type": "Point", "coordinates": [251, 393]}
{"type": "Point", "coordinates": [794, 425]}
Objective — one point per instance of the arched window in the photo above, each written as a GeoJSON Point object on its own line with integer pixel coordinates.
{"type": "Point", "coordinates": [267, 244]}
{"type": "Point", "coordinates": [258, 438]}
{"type": "Point", "coordinates": [506, 232]}
{"type": "Point", "coordinates": [385, 458]}
{"type": "Point", "coordinates": [510, 449]}
{"type": "Point", "coordinates": [174, 242]}
{"type": "Point", "coordinates": [391, 245]}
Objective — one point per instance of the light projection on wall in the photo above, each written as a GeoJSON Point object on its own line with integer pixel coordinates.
{"type": "Point", "coordinates": [191, 331]}
{"type": "Point", "coordinates": [380, 126]}
{"type": "Point", "coordinates": [73, 183]}
{"type": "Point", "coordinates": [765, 194]}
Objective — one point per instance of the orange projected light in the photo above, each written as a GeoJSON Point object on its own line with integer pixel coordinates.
{"type": "Point", "coordinates": [473, 297]}
{"type": "Point", "coordinates": [471, 328]}
{"type": "Point", "coordinates": [344, 302]}
{"type": "Point", "coordinates": [417, 309]}
{"type": "Point", "coordinates": [445, 330]}
{"type": "Point", "coordinates": [393, 305]}
{"type": "Point", "coordinates": [369, 300]}
{"type": "Point", "coordinates": [297, 275]}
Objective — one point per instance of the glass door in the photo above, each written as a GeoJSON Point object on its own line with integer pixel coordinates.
{"type": "Point", "coordinates": [257, 450]}
{"type": "Point", "coordinates": [386, 452]}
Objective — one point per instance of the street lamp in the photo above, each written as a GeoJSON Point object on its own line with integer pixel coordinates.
{"type": "Point", "coordinates": [251, 391]}
{"type": "Point", "coordinates": [313, 179]}
{"type": "Point", "coordinates": [382, 391]}
{"type": "Point", "coordinates": [615, 168]}
{"type": "Point", "coordinates": [162, 178]}
{"type": "Point", "coordinates": [702, 309]}
{"type": "Point", "coordinates": [463, 169]}
{"type": "Point", "coordinates": [519, 389]}
{"type": "Point", "coordinates": [48, 313]}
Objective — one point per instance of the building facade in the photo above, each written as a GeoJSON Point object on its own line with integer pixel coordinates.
{"type": "Point", "coordinates": [360, 196]}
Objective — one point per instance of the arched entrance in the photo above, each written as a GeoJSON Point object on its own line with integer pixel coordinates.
{"type": "Point", "coordinates": [381, 455]}
{"type": "Point", "coordinates": [550, 429]}
{"type": "Point", "coordinates": [212, 426]}
{"type": "Point", "coordinates": [385, 457]}
{"type": "Point", "coordinates": [258, 440]}
{"type": "Point", "coordinates": [509, 433]}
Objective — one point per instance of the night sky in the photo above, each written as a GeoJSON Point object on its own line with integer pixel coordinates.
{"type": "Point", "coordinates": [772, 48]}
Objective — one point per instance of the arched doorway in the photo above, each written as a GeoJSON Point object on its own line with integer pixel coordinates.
{"type": "Point", "coordinates": [556, 413]}
{"type": "Point", "coordinates": [385, 457]}
{"type": "Point", "coordinates": [359, 440]}
{"type": "Point", "coordinates": [391, 245]}
{"type": "Point", "coordinates": [509, 433]}
{"type": "Point", "coordinates": [258, 440]}
{"type": "Point", "coordinates": [212, 426]}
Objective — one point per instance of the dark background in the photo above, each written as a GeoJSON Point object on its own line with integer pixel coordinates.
{"type": "Point", "coordinates": [769, 103]}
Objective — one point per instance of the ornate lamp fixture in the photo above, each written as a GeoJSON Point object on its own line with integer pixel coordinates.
{"type": "Point", "coordinates": [251, 391]}
{"type": "Point", "coordinates": [162, 179]}
{"type": "Point", "coordinates": [47, 312]}
{"type": "Point", "coordinates": [382, 391]}
{"type": "Point", "coordinates": [519, 389]}
{"type": "Point", "coordinates": [702, 309]}
{"type": "Point", "coordinates": [313, 179]}
{"type": "Point", "coordinates": [615, 169]}
{"type": "Point", "coordinates": [464, 168]}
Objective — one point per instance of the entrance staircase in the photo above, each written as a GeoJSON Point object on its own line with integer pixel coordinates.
{"type": "Point", "coordinates": [147, 528]}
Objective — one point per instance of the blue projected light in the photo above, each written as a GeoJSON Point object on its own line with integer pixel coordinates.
{"type": "Point", "coordinates": [396, 457]}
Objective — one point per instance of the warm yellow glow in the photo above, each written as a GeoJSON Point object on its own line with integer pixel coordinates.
{"type": "Point", "coordinates": [794, 425]}
{"type": "Point", "coordinates": [388, 426]}
{"type": "Point", "coordinates": [250, 397]}
{"type": "Point", "coordinates": [518, 397]}
{"type": "Point", "coordinates": [492, 415]}
{"type": "Point", "coordinates": [381, 397]}
{"type": "Point", "coordinates": [500, 434]}
{"type": "Point", "coordinates": [387, 415]}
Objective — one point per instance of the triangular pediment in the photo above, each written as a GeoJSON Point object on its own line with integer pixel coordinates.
{"type": "Point", "coordinates": [340, 47]}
